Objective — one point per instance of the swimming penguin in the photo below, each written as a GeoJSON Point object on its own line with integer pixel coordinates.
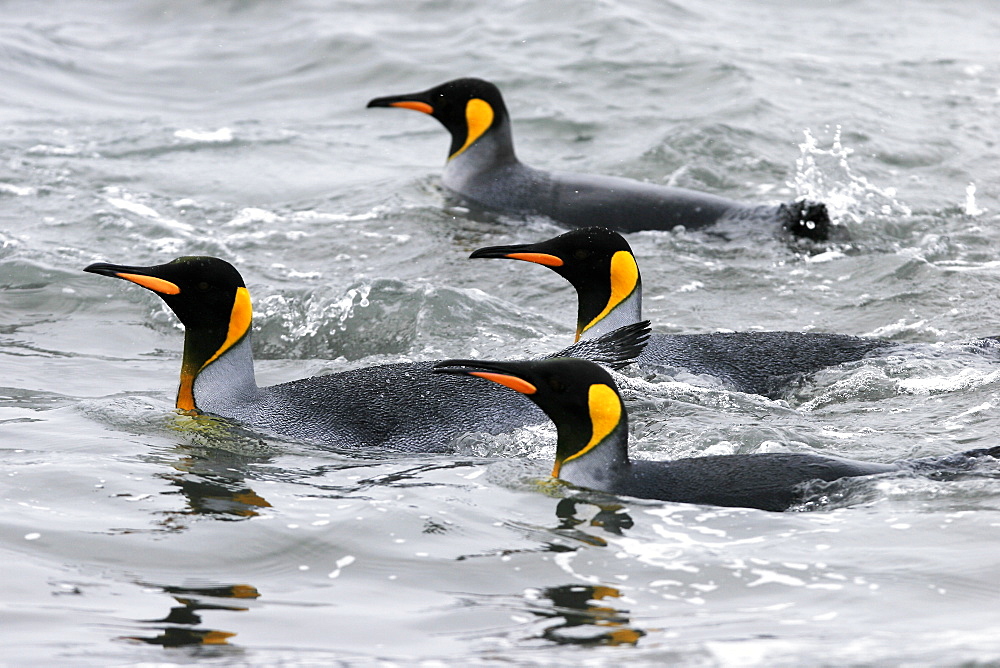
{"type": "Point", "coordinates": [599, 263]}
{"type": "Point", "coordinates": [395, 406]}
{"type": "Point", "coordinates": [592, 445]}
{"type": "Point", "coordinates": [483, 169]}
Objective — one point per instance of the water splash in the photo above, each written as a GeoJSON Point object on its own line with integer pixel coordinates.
{"type": "Point", "coordinates": [313, 316]}
{"type": "Point", "coordinates": [970, 208]}
{"type": "Point", "coordinates": [344, 308]}
{"type": "Point", "coordinates": [824, 174]}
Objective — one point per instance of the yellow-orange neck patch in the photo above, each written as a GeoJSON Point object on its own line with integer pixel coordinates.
{"type": "Point", "coordinates": [624, 279]}
{"type": "Point", "coordinates": [478, 119]}
{"type": "Point", "coordinates": [239, 325]}
{"type": "Point", "coordinates": [605, 413]}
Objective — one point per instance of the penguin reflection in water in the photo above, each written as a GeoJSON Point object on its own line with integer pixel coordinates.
{"type": "Point", "coordinates": [483, 170]}
{"type": "Point", "coordinates": [393, 406]}
{"type": "Point", "coordinates": [591, 423]}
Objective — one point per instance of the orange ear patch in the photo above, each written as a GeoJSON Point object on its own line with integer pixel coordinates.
{"type": "Point", "coordinates": [538, 258]}
{"type": "Point", "coordinates": [151, 283]}
{"type": "Point", "coordinates": [624, 279]}
{"type": "Point", "coordinates": [513, 382]}
{"type": "Point", "coordinates": [605, 414]}
{"type": "Point", "coordinates": [414, 105]}
{"type": "Point", "coordinates": [478, 119]}
{"type": "Point", "coordinates": [239, 323]}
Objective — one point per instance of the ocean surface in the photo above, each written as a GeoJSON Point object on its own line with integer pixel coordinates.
{"type": "Point", "coordinates": [136, 132]}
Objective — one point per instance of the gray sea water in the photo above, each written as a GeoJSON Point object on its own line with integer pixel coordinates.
{"type": "Point", "coordinates": [134, 132]}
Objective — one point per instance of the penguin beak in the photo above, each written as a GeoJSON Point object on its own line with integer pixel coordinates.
{"type": "Point", "coordinates": [488, 370]}
{"type": "Point", "coordinates": [139, 275]}
{"type": "Point", "coordinates": [520, 252]}
{"type": "Point", "coordinates": [415, 101]}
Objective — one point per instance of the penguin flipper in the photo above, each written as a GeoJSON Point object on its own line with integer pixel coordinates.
{"type": "Point", "coordinates": [615, 349]}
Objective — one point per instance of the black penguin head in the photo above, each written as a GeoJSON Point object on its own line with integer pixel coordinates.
{"type": "Point", "coordinates": [200, 290]}
{"type": "Point", "coordinates": [209, 298]}
{"type": "Point", "coordinates": [579, 396]}
{"type": "Point", "coordinates": [598, 262]}
{"type": "Point", "coordinates": [468, 108]}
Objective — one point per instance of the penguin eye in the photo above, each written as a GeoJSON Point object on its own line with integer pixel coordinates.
{"type": "Point", "coordinates": [581, 254]}
{"type": "Point", "coordinates": [203, 286]}
{"type": "Point", "coordinates": [556, 384]}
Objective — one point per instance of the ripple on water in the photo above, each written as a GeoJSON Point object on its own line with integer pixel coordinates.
{"type": "Point", "coordinates": [131, 534]}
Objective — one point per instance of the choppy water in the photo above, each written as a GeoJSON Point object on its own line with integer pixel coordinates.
{"type": "Point", "coordinates": [135, 132]}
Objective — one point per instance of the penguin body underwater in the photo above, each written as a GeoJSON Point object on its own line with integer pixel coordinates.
{"type": "Point", "coordinates": [583, 402]}
{"type": "Point", "coordinates": [394, 406]}
{"type": "Point", "coordinates": [600, 265]}
{"type": "Point", "coordinates": [483, 169]}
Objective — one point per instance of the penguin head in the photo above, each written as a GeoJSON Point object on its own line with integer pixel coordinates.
{"type": "Point", "coordinates": [579, 396]}
{"type": "Point", "coordinates": [598, 262]}
{"type": "Point", "coordinates": [468, 108]}
{"type": "Point", "coordinates": [210, 299]}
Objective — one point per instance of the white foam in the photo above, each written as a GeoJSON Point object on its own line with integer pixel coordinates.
{"type": "Point", "coordinates": [375, 212]}
{"type": "Point", "coordinates": [20, 191]}
{"type": "Point", "coordinates": [133, 207]}
{"type": "Point", "coordinates": [691, 287]}
{"type": "Point", "coordinates": [965, 379]}
{"type": "Point", "coordinates": [252, 215]}
{"type": "Point", "coordinates": [901, 325]}
{"type": "Point", "coordinates": [125, 202]}
{"type": "Point", "coordinates": [48, 149]}
{"type": "Point", "coordinates": [825, 256]}
{"type": "Point", "coordinates": [220, 136]}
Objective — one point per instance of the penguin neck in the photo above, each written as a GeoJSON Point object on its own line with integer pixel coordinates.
{"type": "Point", "coordinates": [600, 466]}
{"type": "Point", "coordinates": [220, 386]}
{"type": "Point", "coordinates": [595, 319]}
{"type": "Point", "coordinates": [493, 150]}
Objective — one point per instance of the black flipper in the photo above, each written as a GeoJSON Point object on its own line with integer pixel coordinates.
{"type": "Point", "coordinates": [615, 349]}
{"type": "Point", "coordinates": [806, 219]}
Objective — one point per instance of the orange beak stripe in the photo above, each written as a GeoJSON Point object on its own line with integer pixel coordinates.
{"type": "Point", "coordinates": [538, 258]}
{"type": "Point", "coordinates": [151, 283]}
{"type": "Point", "coordinates": [513, 382]}
{"type": "Point", "coordinates": [414, 105]}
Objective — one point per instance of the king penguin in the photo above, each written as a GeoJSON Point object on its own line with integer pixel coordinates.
{"type": "Point", "coordinates": [583, 402]}
{"type": "Point", "coordinates": [394, 406]}
{"type": "Point", "coordinates": [483, 170]}
{"type": "Point", "coordinates": [600, 265]}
